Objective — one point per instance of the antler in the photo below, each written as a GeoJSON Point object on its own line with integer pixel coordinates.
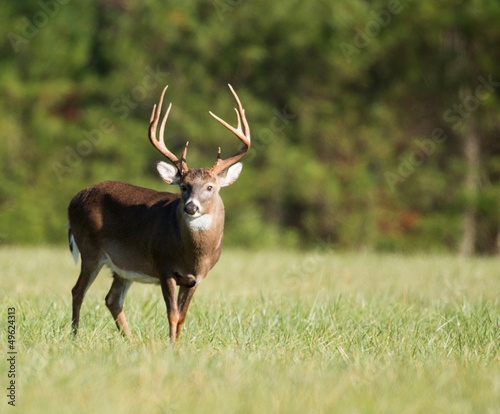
{"type": "Point", "coordinates": [160, 144]}
{"type": "Point", "coordinates": [243, 135]}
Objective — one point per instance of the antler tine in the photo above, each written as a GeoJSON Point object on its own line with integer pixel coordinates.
{"type": "Point", "coordinates": [242, 111]}
{"type": "Point", "coordinates": [242, 134]}
{"type": "Point", "coordinates": [183, 158]}
{"type": "Point", "coordinates": [159, 144]}
{"type": "Point", "coordinates": [152, 115]}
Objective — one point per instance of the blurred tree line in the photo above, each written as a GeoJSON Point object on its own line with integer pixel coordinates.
{"type": "Point", "coordinates": [374, 123]}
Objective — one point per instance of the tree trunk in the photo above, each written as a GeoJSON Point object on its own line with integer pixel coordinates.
{"type": "Point", "coordinates": [472, 152]}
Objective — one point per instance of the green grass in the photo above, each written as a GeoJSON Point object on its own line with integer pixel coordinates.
{"type": "Point", "coordinates": [267, 332]}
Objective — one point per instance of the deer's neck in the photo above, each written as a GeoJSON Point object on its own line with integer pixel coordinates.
{"type": "Point", "coordinates": [204, 232]}
{"type": "Point", "coordinates": [201, 223]}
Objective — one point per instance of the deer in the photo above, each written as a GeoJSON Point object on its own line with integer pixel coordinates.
{"type": "Point", "coordinates": [147, 236]}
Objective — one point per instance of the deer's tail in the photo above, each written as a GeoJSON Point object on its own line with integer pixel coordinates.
{"type": "Point", "coordinates": [72, 245]}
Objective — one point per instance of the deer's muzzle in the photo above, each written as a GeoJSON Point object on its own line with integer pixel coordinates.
{"type": "Point", "coordinates": [191, 208]}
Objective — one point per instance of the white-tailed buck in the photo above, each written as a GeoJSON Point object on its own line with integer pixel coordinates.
{"type": "Point", "coordinates": [154, 237]}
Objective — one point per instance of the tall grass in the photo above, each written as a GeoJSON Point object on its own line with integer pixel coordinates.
{"type": "Point", "coordinates": [272, 331]}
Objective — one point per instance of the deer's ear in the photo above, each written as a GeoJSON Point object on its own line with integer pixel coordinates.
{"type": "Point", "coordinates": [230, 174]}
{"type": "Point", "coordinates": [168, 173]}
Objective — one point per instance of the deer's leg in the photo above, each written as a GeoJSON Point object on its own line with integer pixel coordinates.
{"type": "Point", "coordinates": [114, 302]}
{"type": "Point", "coordinates": [169, 290]}
{"type": "Point", "coordinates": [184, 298]}
{"type": "Point", "coordinates": [88, 273]}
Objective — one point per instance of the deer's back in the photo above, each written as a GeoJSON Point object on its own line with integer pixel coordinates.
{"type": "Point", "coordinates": [118, 216]}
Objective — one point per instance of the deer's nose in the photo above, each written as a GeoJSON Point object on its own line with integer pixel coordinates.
{"type": "Point", "coordinates": [191, 208]}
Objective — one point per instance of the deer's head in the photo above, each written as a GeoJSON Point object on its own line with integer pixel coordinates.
{"type": "Point", "coordinates": [199, 186]}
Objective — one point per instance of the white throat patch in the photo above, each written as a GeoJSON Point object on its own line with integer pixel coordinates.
{"type": "Point", "coordinates": [199, 223]}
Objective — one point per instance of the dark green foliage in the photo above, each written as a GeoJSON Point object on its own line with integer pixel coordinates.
{"type": "Point", "coordinates": [358, 111]}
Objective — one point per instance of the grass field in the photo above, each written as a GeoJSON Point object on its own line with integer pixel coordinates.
{"type": "Point", "coordinates": [267, 332]}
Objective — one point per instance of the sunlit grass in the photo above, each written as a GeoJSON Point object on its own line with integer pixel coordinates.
{"type": "Point", "coordinates": [268, 331]}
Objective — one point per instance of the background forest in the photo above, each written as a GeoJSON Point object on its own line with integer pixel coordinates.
{"type": "Point", "coordinates": [375, 124]}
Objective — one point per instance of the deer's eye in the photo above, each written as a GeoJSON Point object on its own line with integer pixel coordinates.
{"type": "Point", "coordinates": [184, 187]}
{"type": "Point", "coordinates": [209, 188]}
